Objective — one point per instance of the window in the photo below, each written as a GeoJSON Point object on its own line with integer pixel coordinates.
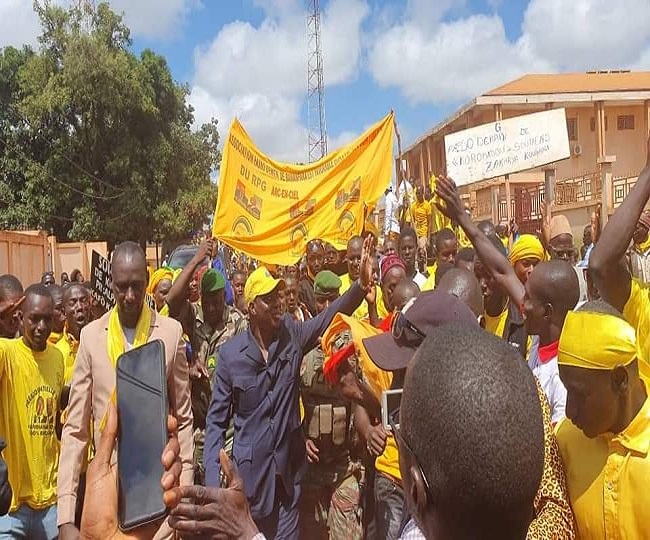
{"type": "Point", "coordinates": [572, 128]}
{"type": "Point", "coordinates": [625, 121]}
{"type": "Point", "coordinates": [592, 124]}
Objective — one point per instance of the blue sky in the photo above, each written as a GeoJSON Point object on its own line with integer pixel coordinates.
{"type": "Point", "coordinates": [423, 58]}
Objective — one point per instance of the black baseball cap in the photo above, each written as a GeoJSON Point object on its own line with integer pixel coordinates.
{"type": "Point", "coordinates": [394, 349]}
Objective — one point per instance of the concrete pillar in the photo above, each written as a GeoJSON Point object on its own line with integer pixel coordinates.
{"type": "Point", "coordinates": [495, 205]}
{"type": "Point", "coordinates": [606, 176]}
{"type": "Point", "coordinates": [646, 117]}
{"type": "Point", "coordinates": [422, 173]}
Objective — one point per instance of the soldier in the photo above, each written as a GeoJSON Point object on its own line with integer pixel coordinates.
{"type": "Point", "coordinates": [331, 504]}
{"type": "Point", "coordinates": [214, 323]}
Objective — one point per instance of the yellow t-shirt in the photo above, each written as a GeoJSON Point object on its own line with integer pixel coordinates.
{"type": "Point", "coordinates": [361, 312]}
{"type": "Point", "coordinates": [54, 337]}
{"type": "Point", "coordinates": [440, 221]}
{"type": "Point", "coordinates": [68, 347]}
{"type": "Point", "coordinates": [388, 462]}
{"type": "Point", "coordinates": [421, 215]}
{"type": "Point", "coordinates": [430, 282]}
{"type": "Point", "coordinates": [496, 325]}
{"type": "Point", "coordinates": [608, 478]}
{"type": "Point", "coordinates": [30, 388]}
{"type": "Point", "coordinates": [637, 313]}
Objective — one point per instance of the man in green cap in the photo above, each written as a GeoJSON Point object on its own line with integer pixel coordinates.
{"type": "Point", "coordinates": [215, 323]}
{"type": "Point", "coordinates": [330, 502]}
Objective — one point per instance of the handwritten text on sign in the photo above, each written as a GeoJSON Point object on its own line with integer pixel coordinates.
{"type": "Point", "coordinates": [508, 146]}
{"type": "Point", "coordinates": [100, 279]}
{"type": "Point", "coordinates": [102, 287]}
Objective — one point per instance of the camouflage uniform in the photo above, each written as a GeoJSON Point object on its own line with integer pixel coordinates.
{"type": "Point", "coordinates": [206, 344]}
{"type": "Point", "coordinates": [330, 503]}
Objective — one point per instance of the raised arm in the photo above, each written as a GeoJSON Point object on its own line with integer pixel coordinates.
{"type": "Point", "coordinates": [308, 332]}
{"type": "Point", "coordinates": [180, 291]}
{"type": "Point", "coordinates": [606, 263]}
{"type": "Point", "coordinates": [494, 260]}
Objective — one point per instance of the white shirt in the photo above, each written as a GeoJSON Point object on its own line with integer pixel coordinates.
{"type": "Point", "coordinates": [419, 279]}
{"type": "Point", "coordinates": [548, 375]}
{"type": "Point", "coordinates": [412, 531]}
{"type": "Point", "coordinates": [404, 188]}
{"type": "Point", "coordinates": [391, 223]}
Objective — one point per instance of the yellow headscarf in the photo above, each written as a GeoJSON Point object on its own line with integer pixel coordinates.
{"type": "Point", "coordinates": [158, 276]}
{"type": "Point", "coordinates": [116, 343]}
{"type": "Point", "coordinates": [597, 341]}
{"type": "Point", "coordinates": [527, 246]}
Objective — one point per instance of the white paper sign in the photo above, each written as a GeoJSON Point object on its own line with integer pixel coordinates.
{"type": "Point", "coordinates": [506, 147]}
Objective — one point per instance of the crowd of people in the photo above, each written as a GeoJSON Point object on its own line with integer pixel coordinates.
{"type": "Point", "coordinates": [522, 363]}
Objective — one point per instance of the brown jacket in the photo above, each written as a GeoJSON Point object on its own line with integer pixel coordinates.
{"type": "Point", "coordinates": [92, 384]}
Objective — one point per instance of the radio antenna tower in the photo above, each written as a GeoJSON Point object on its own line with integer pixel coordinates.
{"type": "Point", "coordinates": [315, 86]}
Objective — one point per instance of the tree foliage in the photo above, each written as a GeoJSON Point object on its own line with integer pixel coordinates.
{"type": "Point", "coordinates": [96, 142]}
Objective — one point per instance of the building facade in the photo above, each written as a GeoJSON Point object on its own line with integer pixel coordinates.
{"type": "Point", "coordinates": [608, 121]}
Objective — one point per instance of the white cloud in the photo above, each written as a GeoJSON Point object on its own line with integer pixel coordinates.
{"type": "Point", "coordinates": [259, 74]}
{"type": "Point", "coordinates": [161, 19]}
{"type": "Point", "coordinates": [455, 60]}
{"type": "Point", "coordinates": [19, 24]}
{"type": "Point", "coordinates": [588, 34]}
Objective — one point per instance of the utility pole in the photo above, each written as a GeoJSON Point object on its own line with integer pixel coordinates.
{"type": "Point", "coordinates": [315, 85]}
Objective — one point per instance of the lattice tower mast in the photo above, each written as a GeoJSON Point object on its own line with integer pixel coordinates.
{"type": "Point", "coordinates": [315, 85]}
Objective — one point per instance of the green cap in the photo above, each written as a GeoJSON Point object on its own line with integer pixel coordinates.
{"type": "Point", "coordinates": [212, 281]}
{"type": "Point", "coordinates": [326, 282]}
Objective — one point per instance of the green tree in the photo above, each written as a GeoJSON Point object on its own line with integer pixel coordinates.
{"type": "Point", "coordinates": [95, 142]}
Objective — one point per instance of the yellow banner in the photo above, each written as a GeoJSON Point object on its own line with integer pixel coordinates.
{"type": "Point", "coordinates": [270, 210]}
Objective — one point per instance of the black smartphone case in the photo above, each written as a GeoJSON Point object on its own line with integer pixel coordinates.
{"type": "Point", "coordinates": [142, 411]}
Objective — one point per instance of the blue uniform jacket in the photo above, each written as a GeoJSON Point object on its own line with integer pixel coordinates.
{"type": "Point", "coordinates": [269, 441]}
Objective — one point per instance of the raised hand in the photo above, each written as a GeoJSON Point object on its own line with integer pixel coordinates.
{"type": "Point", "coordinates": [450, 204]}
{"type": "Point", "coordinates": [214, 512]}
{"type": "Point", "coordinates": [365, 268]}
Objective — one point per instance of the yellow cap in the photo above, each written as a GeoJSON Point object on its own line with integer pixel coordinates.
{"type": "Point", "coordinates": [259, 283]}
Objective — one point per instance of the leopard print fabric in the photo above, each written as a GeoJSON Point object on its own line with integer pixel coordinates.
{"type": "Point", "coordinates": [553, 515]}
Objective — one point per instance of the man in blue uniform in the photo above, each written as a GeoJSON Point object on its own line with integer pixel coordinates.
{"type": "Point", "coordinates": [257, 381]}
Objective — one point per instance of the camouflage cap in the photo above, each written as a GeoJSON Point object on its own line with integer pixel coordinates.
{"type": "Point", "coordinates": [212, 281]}
{"type": "Point", "coordinates": [326, 282]}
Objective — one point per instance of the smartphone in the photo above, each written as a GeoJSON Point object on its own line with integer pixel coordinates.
{"type": "Point", "coordinates": [142, 436]}
{"type": "Point", "coordinates": [390, 402]}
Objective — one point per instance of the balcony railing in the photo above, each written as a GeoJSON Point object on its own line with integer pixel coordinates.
{"type": "Point", "coordinates": [584, 188]}
{"type": "Point", "coordinates": [621, 186]}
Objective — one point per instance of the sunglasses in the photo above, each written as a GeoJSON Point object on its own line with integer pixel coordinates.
{"type": "Point", "coordinates": [404, 330]}
{"type": "Point", "coordinates": [403, 446]}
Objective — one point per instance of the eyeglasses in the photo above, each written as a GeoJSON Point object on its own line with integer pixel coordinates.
{"type": "Point", "coordinates": [563, 254]}
{"type": "Point", "coordinates": [403, 446]}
